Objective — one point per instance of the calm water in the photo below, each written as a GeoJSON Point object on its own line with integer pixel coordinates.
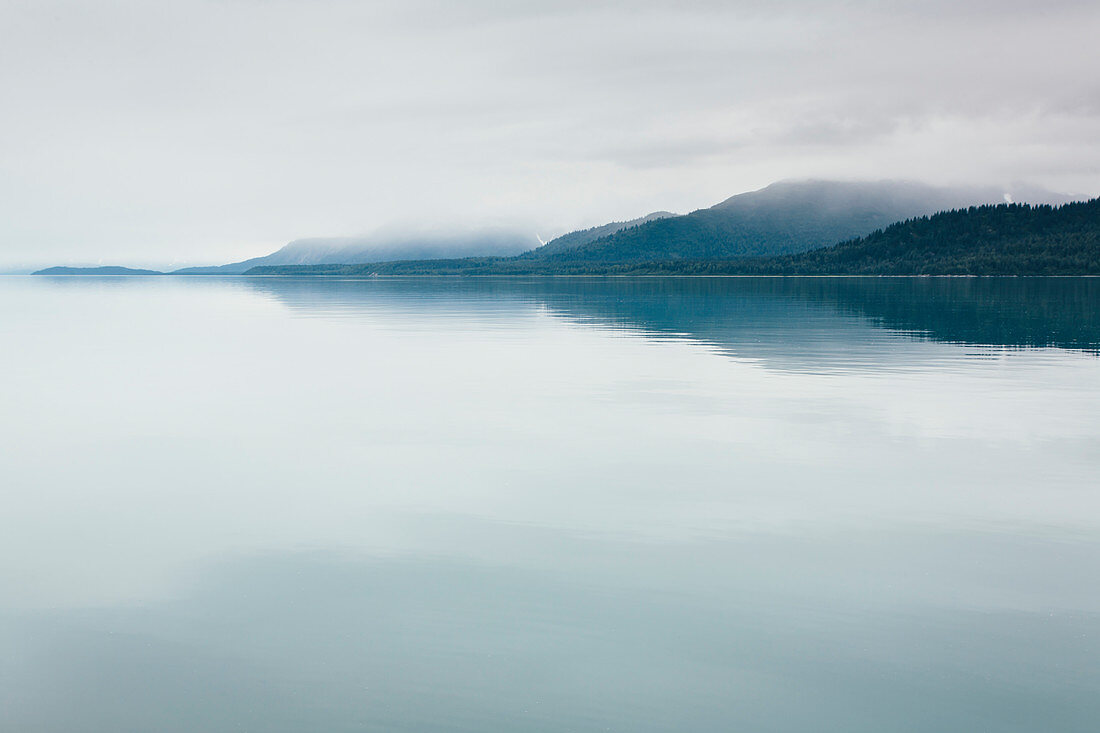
{"type": "Point", "coordinates": [549, 505]}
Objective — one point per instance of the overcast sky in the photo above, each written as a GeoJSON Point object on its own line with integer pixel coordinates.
{"type": "Point", "coordinates": [192, 131]}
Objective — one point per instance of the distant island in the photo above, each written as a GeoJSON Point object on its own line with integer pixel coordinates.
{"type": "Point", "coordinates": [788, 228]}
{"type": "Point", "coordinates": [107, 270]}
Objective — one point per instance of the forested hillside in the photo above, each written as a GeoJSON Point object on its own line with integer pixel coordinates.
{"type": "Point", "coordinates": [783, 218]}
{"type": "Point", "coordinates": [1006, 239]}
{"type": "Point", "coordinates": [1009, 239]}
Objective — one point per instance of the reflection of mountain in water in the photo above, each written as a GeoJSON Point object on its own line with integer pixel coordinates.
{"type": "Point", "coordinates": [817, 321]}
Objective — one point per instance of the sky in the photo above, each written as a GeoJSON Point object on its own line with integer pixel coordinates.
{"type": "Point", "coordinates": [176, 132]}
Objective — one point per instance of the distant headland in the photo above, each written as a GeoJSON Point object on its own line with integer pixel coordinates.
{"type": "Point", "coordinates": [106, 270]}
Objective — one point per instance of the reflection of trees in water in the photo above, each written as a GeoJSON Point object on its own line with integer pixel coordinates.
{"type": "Point", "coordinates": [735, 313]}
{"type": "Point", "coordinates": [1062, 312]}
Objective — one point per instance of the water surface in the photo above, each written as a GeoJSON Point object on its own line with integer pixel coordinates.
{"type": "Point", "coordinates": [549, 505]}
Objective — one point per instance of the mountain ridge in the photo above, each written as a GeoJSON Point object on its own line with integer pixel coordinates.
{"type": "Point", "coordinates": [1001, 239]}
{"type": "Point", "coordinates": [581, 237]}
{"type": "Point", "coordinates": [783, 218]}
{"type": "Point", "coordinates": [382, 248]}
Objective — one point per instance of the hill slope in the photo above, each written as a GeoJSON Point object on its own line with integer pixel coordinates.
{"type": "Point", "coordinates": [784, 218]}
{"type": "Point", "coordinates": [382, 248]}
{"type": "Point", "coordinates": [581, 237]}
{"type": "Point", "coordinates": [1006, 239]}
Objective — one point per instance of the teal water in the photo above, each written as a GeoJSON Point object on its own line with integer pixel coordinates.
{"type": "Point", "coordinates": [272, 504]}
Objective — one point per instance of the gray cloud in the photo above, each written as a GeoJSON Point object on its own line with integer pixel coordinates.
{"type": "Point", "coordinates": [204, 131]}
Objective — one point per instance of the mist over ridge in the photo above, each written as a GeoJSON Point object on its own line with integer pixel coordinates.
{"type": "Point", "coordinates": [783, 218]}
{"type": "Point", "coordinates": [386, 246]}
{"type": "Point", "coordinates": [169, 134]}
{"type": "Point", "coordinates": [786, 217]}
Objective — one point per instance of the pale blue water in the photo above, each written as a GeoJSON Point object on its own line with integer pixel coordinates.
{"type": "Point", "coordinates": [549, 505]}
